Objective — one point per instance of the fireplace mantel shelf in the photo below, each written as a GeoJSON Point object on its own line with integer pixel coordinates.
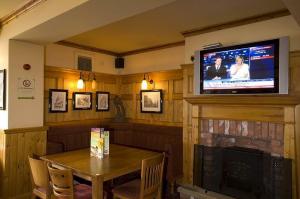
{"type": "Point", "coordinates": [274, 100]}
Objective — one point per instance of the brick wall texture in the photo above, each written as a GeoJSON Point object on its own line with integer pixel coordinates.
{"type": "Point", "coordinates": [265, 136]}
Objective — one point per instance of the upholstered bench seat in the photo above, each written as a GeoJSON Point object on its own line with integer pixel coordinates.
{"type": "Point", "coordinates": [158, 138]}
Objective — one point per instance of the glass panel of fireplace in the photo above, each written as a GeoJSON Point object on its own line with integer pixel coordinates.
{"type": "Point", "coordinates": [242, 172]}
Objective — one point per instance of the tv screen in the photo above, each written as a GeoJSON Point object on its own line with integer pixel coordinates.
{"type": "Point", "coordinates": [241, 69]}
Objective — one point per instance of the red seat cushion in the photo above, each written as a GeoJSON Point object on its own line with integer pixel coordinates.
{"type": "Point", "coordinates": [81, 191]}
{"type": "Point", "coordinates": [129, 190]}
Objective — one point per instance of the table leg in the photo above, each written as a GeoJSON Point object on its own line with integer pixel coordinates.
{"type": "Point", "coordinates": [97, 187]}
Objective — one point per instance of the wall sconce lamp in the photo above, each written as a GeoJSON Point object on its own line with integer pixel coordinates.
{"type": "Point", "coordinates": [144, 84]}
{"type": "Point", "coordinates": [80, 83]}
{"type": "Point", "coordinates": [86, 77]}
{"type": "Point", "coordinates": [94, 83]}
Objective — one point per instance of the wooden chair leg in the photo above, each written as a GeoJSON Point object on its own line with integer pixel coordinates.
{"type": "Point", "coordinates": [172, 187]}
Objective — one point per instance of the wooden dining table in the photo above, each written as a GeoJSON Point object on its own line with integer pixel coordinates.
{"type": "Point", "coordinates": [120, 161]}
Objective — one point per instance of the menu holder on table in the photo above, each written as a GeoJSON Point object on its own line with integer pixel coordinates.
{"type": "Point", "coordinates": [97, 143]}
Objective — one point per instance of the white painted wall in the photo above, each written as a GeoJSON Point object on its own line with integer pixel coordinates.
{"type": "Point", "coordinates": [63, 56]}
{"type": "Point", "coordinates": [158, 60]}
{"type": "Point", "coordinates": [274, 28]}
{"type": "Point", "coordinates": [25, 112]}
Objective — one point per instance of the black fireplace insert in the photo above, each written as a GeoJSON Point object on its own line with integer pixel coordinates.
{"type": "Point", "coordinates": [242, 172]}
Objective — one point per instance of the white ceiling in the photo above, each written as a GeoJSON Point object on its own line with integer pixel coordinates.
{"type": "Point", "coordinates": [164, 24]}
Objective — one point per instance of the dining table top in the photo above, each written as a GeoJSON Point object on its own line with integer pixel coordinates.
{"type": "Point", "coordinates": [121, 160]}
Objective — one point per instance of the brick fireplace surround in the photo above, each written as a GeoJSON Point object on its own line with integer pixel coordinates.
{"type": "Point", "coordinates": [267, 123]}
{"type": "Point", "coordinates": [265, 136]}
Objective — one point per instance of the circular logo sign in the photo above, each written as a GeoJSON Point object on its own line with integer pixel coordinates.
{"type": "Point", "coordinates": [26, 83]}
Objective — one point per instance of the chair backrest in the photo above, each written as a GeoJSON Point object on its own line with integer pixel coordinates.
{"type": "Point", "coordinates": [151, 176]}
{"type": "Point", "coordinates": [39, 173]}
{"type": "Point", "coordinates": [62, 182]}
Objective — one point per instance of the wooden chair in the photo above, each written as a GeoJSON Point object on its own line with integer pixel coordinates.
{"type": "Point", "coordinates": [40, 178]}
{"type": "Point", "coordinates": [62, 184]}
{"type": "Point", "coordinates": [150, 184]}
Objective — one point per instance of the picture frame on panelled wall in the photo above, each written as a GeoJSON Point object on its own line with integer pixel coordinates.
{"type": "Point", "coordinates": [84, 61]}
{"type": "Point", "coordinates": [2, 89]}
{"type": "Point", "coordinates": [151, 101]}
{"type": "Point", "coordinates": [58, 101]}
{"type": "Point", "coordinates": [102, 101]}
{"type": "Point", "coordinates": [82, 100]}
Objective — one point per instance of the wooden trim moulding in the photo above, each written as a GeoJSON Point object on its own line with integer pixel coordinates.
{"type": "Point", "coordinates": [86, 47]}
{"type": "Point", "coordinates": [19, 11]}
{"type": "Point", "coordinates": [153, 48]}
{"type": "Point", "coordinates": [75, 71]}
{"type": "Point", "coordinates": [295, 53]}
{"type": "Point", "coordinates": [98, 50]}
{"type": "Point", "coordinates": [245, 21]}
{"type": "Point", "coordinates": [24, 130]}
{"type": "Point", "coordinates": [84, 122]}
{"type": "Point", "coordinates": [185, 66]}
{"type": "Point", "coordinates": [275, 100]}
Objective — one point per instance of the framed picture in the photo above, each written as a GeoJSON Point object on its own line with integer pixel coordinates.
{"type": "Point", "coordinates": [151, 101]}
{"type": "Point", "coordinates": [2, 89]}
{"type": "Point", "coordinates": [58, 101]}
{"type": "Point", "coordinates": [102, 101]}
{"type": "Point", "coordinates": [82, 100]}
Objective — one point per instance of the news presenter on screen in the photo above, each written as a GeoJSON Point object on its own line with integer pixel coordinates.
{"type": "Point", "coordinates": [217, 71]}
{"type": "Point", "coordinates": [239, 70]}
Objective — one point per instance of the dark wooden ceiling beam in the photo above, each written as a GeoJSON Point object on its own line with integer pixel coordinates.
{"type": "Point", "coordinates": [85, 47]}
{"type": "Point", "coordinates": [245, 21]}
{"type": "Point", "coordinates": [19, 11]}
{"type": "Point", "coordinates": [158, 47]}
{"type": "Point", "coordinates": [107, 52]}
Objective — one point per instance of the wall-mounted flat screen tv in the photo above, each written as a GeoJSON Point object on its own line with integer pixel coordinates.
{"type": "Point", "coordinates": [252, 68]}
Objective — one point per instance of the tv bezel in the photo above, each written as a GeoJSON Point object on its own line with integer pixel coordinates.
{"type": "Point", "coordinates": [281, 51]}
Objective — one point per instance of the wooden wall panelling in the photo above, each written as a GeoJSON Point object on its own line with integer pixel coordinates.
{"type": "Point", "coordinates": [196, 111]}
{"type": "Point", "coordinates": [187, 71]}
{"type": "Point", "coordinates": [289, 143]}
{"type": "Point", "coordinates": [170, 102]}
{"type": "Point", "coordinates": [62, 78]}
{"type": "Point", "coordinates": [127, 92]}
{"type": "Point", "coordinates": [176, 97]}
{"type": "Point", "coordinates": [171, 84]}
{"type": "Point", "coordinates": [128, 87]}
{"type": "Point", "coordinates": [16, 145]}
{"type": "Point", "coordinates": [297, 148]}
{"type": "Point", "coordinates": [274, 114]}
{"type": "Point", "coordinates": [294, 73]}
{"type": "Point", "coordinates": [2, 162]}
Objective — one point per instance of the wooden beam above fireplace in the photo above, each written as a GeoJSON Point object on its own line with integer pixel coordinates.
{"type": "Point", "coordinates": [277, 100]}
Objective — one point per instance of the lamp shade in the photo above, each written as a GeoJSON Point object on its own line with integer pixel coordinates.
{"type": "Point", "coordinates": [80, 84]}
{"type": "Point", "coordinates": [144, 85]}
{"type": "Point", "coordinates": [94, 84]}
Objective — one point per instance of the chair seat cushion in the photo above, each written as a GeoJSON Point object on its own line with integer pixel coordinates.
{"type": "Point", "coordinates": [128, 190]}
{"type": "Point", "coordinates": [81, 191]}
